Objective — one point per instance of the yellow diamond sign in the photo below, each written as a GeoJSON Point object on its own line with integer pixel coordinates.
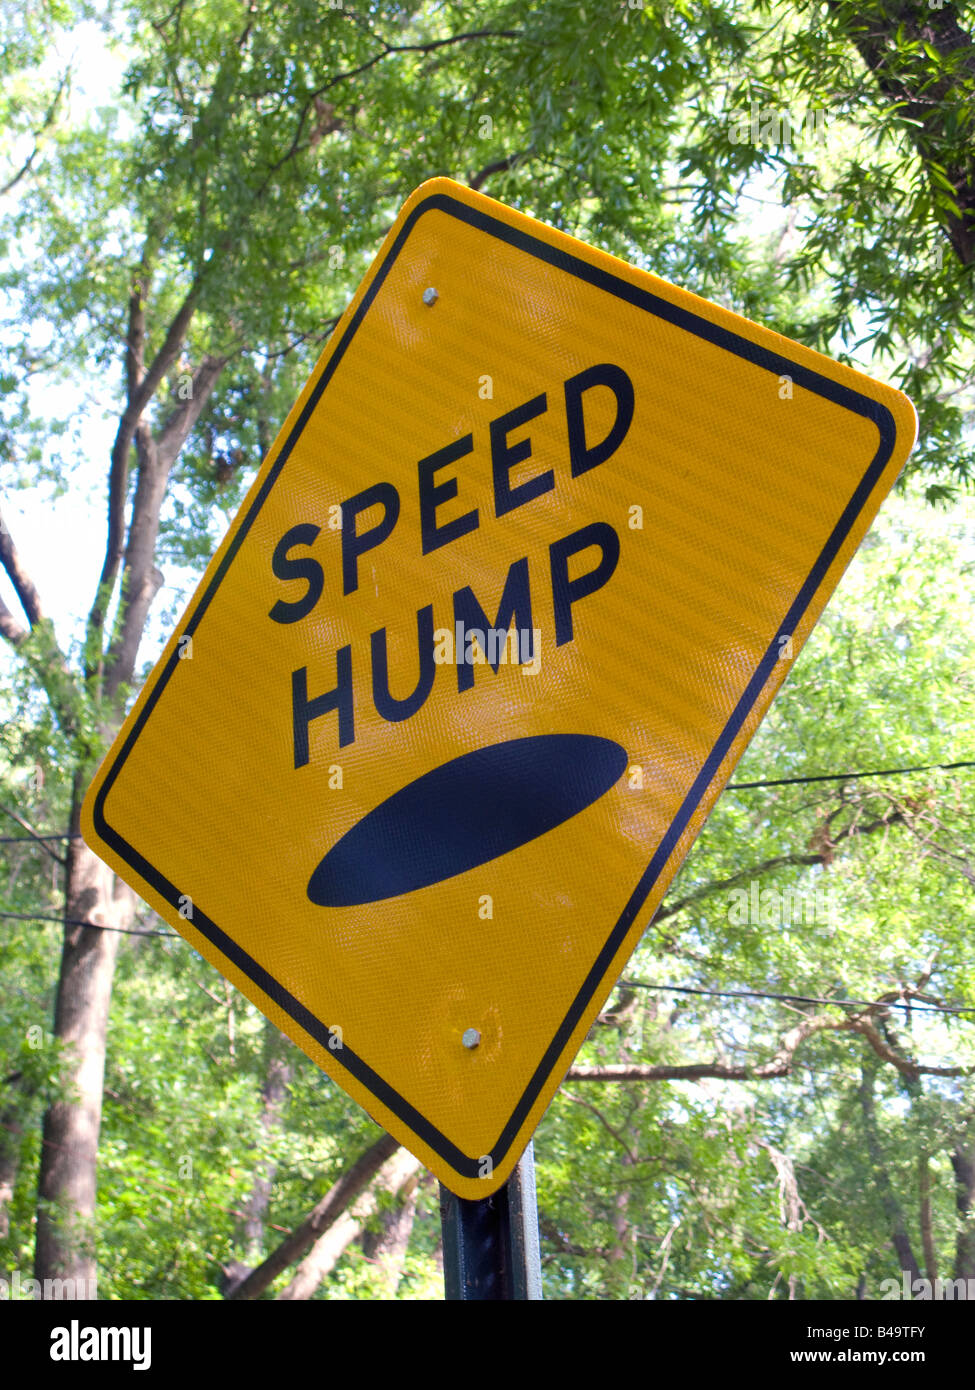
{"type": "Point", "coordinates": [509, 596]}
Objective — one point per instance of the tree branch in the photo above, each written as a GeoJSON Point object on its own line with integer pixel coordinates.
{"type": "Point", "coordinates": [44, 658]}
{"type": "Point", "coordinates": [142, 386]}
{"type": "Point", "coordinates": [141, 580]}
{"type": "Point", "coordinates": [610, 1129]}
{"type": "Point", "coordinates": [922, 100]}
{"type": "Point", "coordinates": [10, 628]}
{"type": "Point", "coordinates": [46, 124]}
{"type": "Point", "coordinates": [29, 598]}
{"type": "Point", "coordinates": [500, 166]}
{"type": "Point", "coordinates": [707, 890]}
{"type": "Point", "coordinates": [565, 1246]}
{"type": "Point", "coordinates": [184, 416]}
{"type": "Point", "coordinates": [780, 861]}
{"type": "Point", "coordinates": [385, 52]}
{"type": "Point", "coordinates": [38, 643]}
{"type": "Point", "coordinates": [169, 350]}
{"type": "Point", "coordinates": [25, 825]}
{"type": "Point", "coordinates": [907, 1067]}
{"type": "Point", "coordinates": [328, 1249]}
{"type": "Point", "coordinates": [780, 1065]}
{"type": "Point", "coordinates": [322, 1215]}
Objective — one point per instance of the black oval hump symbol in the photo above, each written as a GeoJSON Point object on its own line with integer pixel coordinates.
{"type": "Point", "coordinates": [464, 814]}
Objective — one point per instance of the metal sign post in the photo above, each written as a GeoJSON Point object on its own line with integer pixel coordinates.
{"type": "Point", "coordinates": [490, 1245]}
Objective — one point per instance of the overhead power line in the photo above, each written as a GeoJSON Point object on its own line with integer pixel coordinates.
{"type": "Point", "coordinates": [731, 787]}
{"type": "Point", "coordinates": [846, 776]}
{"type": "Point", "coordinates": [908, 1005]}
{"type": "Point", "coordinates": [96, 926]}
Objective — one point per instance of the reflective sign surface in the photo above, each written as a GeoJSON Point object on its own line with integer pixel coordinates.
{"type": "Point", "coordinates": [512, 591]}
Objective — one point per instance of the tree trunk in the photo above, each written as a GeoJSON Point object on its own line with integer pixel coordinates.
{"type": "Point", "coordinates": [319, 1221]}
{"type": "Point", "coordinates": [66, 1194]}
{"type": "Point", "coordinates": [278, 1070]}
{"type": "Point", "coordinates": [963, 1163]}
{"type": "Point", "coordinates": [277, 1077]}
{"type": "Point", "coordinates": [892, 1210]}
{"type": "Point", "coordinates": [927, 1227]}
{"type": "Point", "coordinates": [325, 1254]}
{"type": "Point", "coordinates": [9, 1163]}
{"type": "Point", "coordinates": [387, 1247]}
{"type": "Point", "coordinates": [879, 32]}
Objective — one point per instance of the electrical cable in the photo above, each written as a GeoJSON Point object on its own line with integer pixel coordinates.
{"type": "Point", "coordinates": [909, 1006]}
{"type": "Point", "coordinates": [846, 776]}
{"type": "Point", "coordinates": [97, 926]}
{"type": "Point", "coordinates": [731, 787]}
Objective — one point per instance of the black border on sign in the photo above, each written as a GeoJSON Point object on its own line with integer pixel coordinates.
{"type": "Point", "coordinates": [690, 322]}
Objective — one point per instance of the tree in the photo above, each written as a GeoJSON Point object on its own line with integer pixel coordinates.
{"type": "Point", "coordinates": [270, 148]}
{"type": "Point", "coordinates": [845, 1082]}
{"type": "Point", "coordinates": [251, 166]}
